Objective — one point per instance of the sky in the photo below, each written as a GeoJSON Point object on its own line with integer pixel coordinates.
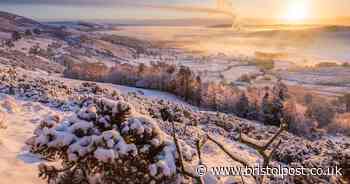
{"type": "Point", "coordinates": [175, 9]}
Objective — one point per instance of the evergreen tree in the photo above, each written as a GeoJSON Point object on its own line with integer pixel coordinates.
{"type": "Point", "coordinates": [186, 83]}
{"type": "Point", "coordinates": [242, 106]}
{"type": "Point", "coordinates": [272, 111]}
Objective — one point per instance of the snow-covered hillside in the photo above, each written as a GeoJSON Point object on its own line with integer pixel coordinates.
{"type": "Point", "coordinates": [35, 97]}
{"type": "Point", "coordinates": [49, 119]}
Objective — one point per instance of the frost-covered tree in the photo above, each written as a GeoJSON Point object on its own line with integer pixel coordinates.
{"type": "Point", "coordinates": [184, 79]}
{"type": "Point", "coordinates": [219, 96]}
{"type": "Point", "coordinates": [88, 71]}
{"type": "Point", "coordinates": [297, 122]}
{"type": "Point", "coordinates": [271, 110]}
{"type": "Point", "coordinates": [323, 113]}
{"type": "Point", "coordinates": [208, 96]}
{"type": "Point", "coordinates": [106, 141]}
{"type": "Point", "coordinates": [242, 107]}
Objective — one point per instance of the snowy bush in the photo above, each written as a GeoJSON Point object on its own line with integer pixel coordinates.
{"type": "Point", "coordinates": [105, 141]}
{"type": "Point", "coordinates": [323, 113]}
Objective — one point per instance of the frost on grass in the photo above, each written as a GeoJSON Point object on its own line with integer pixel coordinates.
{"type": "Point", "coordinates": [107, 140]}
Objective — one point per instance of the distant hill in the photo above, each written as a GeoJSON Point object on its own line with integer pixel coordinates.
{"type": "Point", "coordinates": [10, 22]}
{"type": "Point", "coordinates": [165, 22]}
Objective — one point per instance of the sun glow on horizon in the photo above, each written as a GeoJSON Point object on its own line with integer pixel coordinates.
{"type": "Point", "coordinates": [297, 11]}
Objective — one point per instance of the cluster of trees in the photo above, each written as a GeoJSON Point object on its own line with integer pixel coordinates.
{"type": "Point", "coordinates": [263, 104]}
{"type": "Point", "coordinates": [160, 76]}
{"type": "Point", "coordinates": [85, 71]}
{"type": "Point", "coordinates": [316, 113]}
{"type": "Point", "coordinates": [16, 35]}
{"type": "Point", "coordinates": [36, 50]}
{"type": "Point", "coordinates": [271, 105]}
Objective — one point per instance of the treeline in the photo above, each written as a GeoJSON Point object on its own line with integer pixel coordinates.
{"type": "Point", "coordinates": [159, 76]}
{"type": "Point", "coordinates": [254, 103]}
{"type": "Point", "coordinates": [270, 104]}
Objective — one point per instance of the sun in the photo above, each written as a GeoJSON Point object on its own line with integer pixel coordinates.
{"type": "Point", "coordinates": [297, 11]}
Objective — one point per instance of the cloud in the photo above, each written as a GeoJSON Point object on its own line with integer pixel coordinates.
{"type": "Point", "coordinates": [68, 2]}
{"type": "Point", "coordinates": [192, 9]}
{"type": "Point", "coordinates": [154, 4]}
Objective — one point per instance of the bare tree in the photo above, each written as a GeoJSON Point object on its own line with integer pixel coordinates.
{"type": "Point", "coordinates": [265, 149]}
{"type": "Point", "coordinates": [261, 148]}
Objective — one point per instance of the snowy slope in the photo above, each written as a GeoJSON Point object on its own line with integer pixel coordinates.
{"type": "Point", "coordinates": [58, 94]}
{"type": "Point", "coordinates": [21, 119]}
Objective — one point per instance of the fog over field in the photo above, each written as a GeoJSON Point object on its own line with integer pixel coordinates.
{"type": "Point", "coordinates": [306, 44]}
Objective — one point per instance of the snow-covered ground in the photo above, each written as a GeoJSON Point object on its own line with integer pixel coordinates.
{"type": "Point", "coordinates": [4, 35]}
{"type": "Point", "coordinates": [146, 93]}
{"type": "Point", "coordinates": [330, 81]}
{"type": "Point", "coordinates": [151, 94]}
{"type": "Point", "coordinates": [21, 117]}
{"type": "Point", "coordinates": [24, 45]}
